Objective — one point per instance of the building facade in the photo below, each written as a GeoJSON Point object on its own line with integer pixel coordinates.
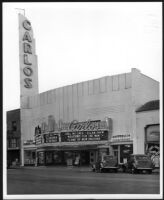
{"type": "Point", "coordinates": [88, 119]}
{"type": "Point", "coordinates": [13, 136]}
{"type": "Point", "coordinates": [79, 121]}
{"type": "Point", "coordinates": [148, 130]}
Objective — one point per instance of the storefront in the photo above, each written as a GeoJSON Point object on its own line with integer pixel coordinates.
{"type": "Point", "coordinates": [122, 147]}
{"type": "Point", "coordinates": [29, 153]}
{"type": "Point", "coordinates": [152, 143]}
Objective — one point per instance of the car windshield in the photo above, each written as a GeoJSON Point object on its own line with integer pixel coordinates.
{"type": "Point", "coordinates": [142, 158]}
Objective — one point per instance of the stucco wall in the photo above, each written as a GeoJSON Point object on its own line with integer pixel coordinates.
{"type": "Point", "coordinates": [142, 120]}
{"type": "Point", "coordinates": [95, 99]}
{"type": "Point", "coordinates": [144, 88]}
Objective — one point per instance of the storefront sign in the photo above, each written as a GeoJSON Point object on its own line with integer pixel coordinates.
{"type": "Point", "coordinates": [87, 125]}
{"type": "Point", "coordinates": [50, 138]}
{"type": "Point", "coordinates": [152, 136]}
{"type": "Point", "coordinates": [29, 142]}
{"type": "Point", "coordinates": [46, 138]}
{"type": "Point", "coordinates": [91, 130]}
{"type": "Point", "coordinates": [38, 139]}
{"type": "Point", "coordinates": [27, 50]}
{"type": "Point", "coordinates": [84, 136]}
{"type": "Point", "coordinates": [28, 60]}
{"type": "Point", "coordinates": [119, 138]}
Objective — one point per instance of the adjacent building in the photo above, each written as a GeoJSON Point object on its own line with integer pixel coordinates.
{"type": "Point", "coordinates": [13, 136]}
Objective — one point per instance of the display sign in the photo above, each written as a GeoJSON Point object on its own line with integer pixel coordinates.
{"type": "Point", "coordinates": [88, 125]}
{"type": "Point", "coordinates": [119, 138]}
{"type": "Point", "coordinates": [28, 60]}
{"type": "Point", "coordinates": [29, 142]}
{"type": "Point", "coordinates": [38, 139]}
{"type": "Point", "coordinates": [46, 138]}
{"type": "Point", "coordinates": [50, 138]}
{"type": "Point", "coordinates": [84, 136]}
{"type": "Point", "coordinates": [152, 136]}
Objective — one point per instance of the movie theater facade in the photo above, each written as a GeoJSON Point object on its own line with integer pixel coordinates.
{"type": "Point", "coordinates": [82, 120]}
{"type": "Point", "coordinates": [86, 119]}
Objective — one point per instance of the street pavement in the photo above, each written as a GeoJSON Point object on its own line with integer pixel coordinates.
{"type": "Point", "coordinates": [78, 180]}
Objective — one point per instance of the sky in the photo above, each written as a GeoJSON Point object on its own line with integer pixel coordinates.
{"type": "Point", "coordinates": [76, 42]}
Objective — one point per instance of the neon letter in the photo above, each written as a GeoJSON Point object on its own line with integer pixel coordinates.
{"type": "Point", "coordinates": [27, 25]}
{"type": "Point", "coordinates": [27, 37]}
{"type": "Point", "coordinates": [28, 82]}
{"type": "Point", "coordinates": [28, 71]}
{"type": "Point", "coordinates": [27, 48]}
{"type": "Point", "coordinates": [26, 62]}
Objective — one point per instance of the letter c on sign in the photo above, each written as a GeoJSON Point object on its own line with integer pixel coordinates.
{"type": "Point", "coordinates": [28, 71]}
{"type": "Point", "coordinates": [27, 25]}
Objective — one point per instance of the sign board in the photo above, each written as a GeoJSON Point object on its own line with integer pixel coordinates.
{"type": "Point", "coordinates": [152, 136]}
{"type": "Point", "coordinates": [46, 138]}
{"type": "Point", "coordinates": [84, 136]}
{"type": "Point", "coordinates": [27, 58]}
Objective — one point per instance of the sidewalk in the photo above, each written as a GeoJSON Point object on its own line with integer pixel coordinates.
{"type": "Point", "coordinates": [75, 168]}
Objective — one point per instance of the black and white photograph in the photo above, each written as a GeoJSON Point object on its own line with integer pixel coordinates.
{"type": "Point", "coordinates": [82, 100]}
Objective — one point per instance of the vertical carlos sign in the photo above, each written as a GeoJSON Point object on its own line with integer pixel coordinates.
{"type": "Point", "coordinates": [28, 59]}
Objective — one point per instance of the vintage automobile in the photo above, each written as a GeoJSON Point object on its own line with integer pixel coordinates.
{"type": "Point", "coordinates": [105, 163]}
{"type": "Point", "coordinates": [138, 163]}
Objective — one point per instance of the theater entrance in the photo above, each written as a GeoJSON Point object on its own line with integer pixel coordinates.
{"type": "Point", "coordinates": [82, 156]}
{"type": "Point", "coordinates": [85, 158]}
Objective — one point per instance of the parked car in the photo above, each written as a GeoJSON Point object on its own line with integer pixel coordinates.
{"type": "Point", "coordinates": [104, 163]}
{"type": "Point", "coordinates": [139, 163]}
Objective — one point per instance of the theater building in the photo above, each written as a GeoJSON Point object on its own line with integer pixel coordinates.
{"type": "Point", "coordinates": [90, 118]}
{"type": "Point", "coordinates": [82, 120]}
